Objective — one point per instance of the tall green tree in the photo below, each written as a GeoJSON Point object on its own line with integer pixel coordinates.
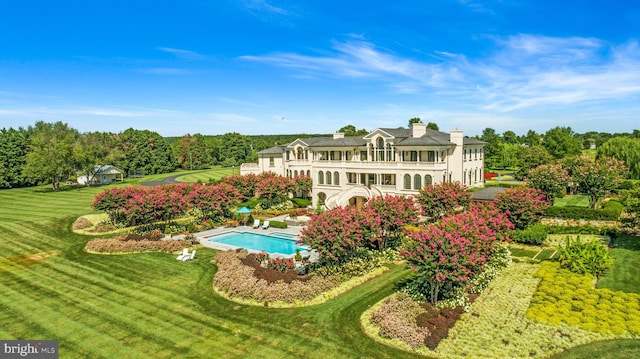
{"type": "Point", "coordinates": [13, 148]}
{"type": "Point", "coordinates": [562, 142]}
{"type": "Point", "coordinates": [532, 139]}
{"type": "Point", "coordinates": [625, 149]}
{"type": "Point", "coordinates": [492, 149]}
{"type": "Point", "coordinates": [147, 151]}
{"type": "Point", "coordinates": [235, 149]}
{"type": "Point", "coordinates": [414, 120]}
{"type": "Point", "coordinates": [350, 130]}
{"type": "Point", "coordinates": [510, 137]}
{"type": "Point", "coordinates": [90, 151]}
{"type": "Point", "coordinates": [530, 157]}
{"type": "Point", "coordinates": [50, 153]}
{"type": "Point", "coordinates": [192, 152]}
{"type": "Point", "coordinates": [433, 126]}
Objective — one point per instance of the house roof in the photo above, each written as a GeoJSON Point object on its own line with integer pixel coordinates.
{"type": "Point", "coordinates": [403, 137]}
{"type": "Point", "coordinates": [107, 169]}
{"type": "Point", "coordinates": [272, 150]}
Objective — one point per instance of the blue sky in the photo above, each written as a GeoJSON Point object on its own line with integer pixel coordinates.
{"type": "Point", "coordinates": [285, 66]}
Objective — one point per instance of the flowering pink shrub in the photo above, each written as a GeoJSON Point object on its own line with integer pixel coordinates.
{"type": "Point", "coordinates": [273, 188]}
{"type": "Point", "coordinates": [523, 205]}
{"type": "Point", "coordinates": [451, 251]}
{"type": "Point", "coordinates": [597, 179]}
{"type": "Point", "coordinates": [552, 180]}
{"type": "Point", "coordinates": [389, 215]}
{"type": "Point", "coordinates": [134, 205]}
{"type": "Point", "coordinates": [337, 233]}
{"type": "Point", "coordinates": [443, 198]}
{"type": "Point", "coordinates": [245, 185]}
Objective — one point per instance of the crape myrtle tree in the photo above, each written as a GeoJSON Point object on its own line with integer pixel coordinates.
{"type": "Point", "coordinates": [442, 198]}
{"type": "Point", "coordinates": [552, 180]}
{"type": "Point", "coordinates": [597, 179]}
{"type": "Point", "coordinates": [338, 233]}
{"type": "Point", "coordinates": [390, 214]}
{"type": "Point", "coordinates": [522, 205]}
{"type": "Point", "coordinates": [447, 254]}
{"type": "Point", "coordinates": [573, 165]}
{"type": "Point", "coordinates": [245, 185]}
{"type": "Point", "coordinates": [301, 185]}
{"type": "Point", "coordinates": [274, 189]}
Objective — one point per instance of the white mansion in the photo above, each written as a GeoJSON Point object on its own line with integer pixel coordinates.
{"type": "Point", "coordinates": [396, 161]}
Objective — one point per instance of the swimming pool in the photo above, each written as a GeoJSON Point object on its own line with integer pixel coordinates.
{"type": "Point", "coordinates": [281, 243]}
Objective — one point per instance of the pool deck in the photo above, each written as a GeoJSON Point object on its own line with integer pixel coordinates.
{"type": "Point", "coordinates": [202, 237]}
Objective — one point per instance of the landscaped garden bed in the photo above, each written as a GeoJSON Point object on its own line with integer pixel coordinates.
{"type": "Point", "coordinates": [133, 243]}
{"type": "Point", "coordinates": [241, 278]}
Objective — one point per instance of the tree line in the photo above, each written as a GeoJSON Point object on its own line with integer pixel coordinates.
{"type": "Point", "coordinates": [528, 151]}
{"type": "Point", "coordinates": [52, 153]}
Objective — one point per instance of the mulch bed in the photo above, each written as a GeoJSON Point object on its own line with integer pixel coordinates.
{"type": "Point", "coordinates": [439, 321]}
{"type": "Point", "coordinates": [269, 274]}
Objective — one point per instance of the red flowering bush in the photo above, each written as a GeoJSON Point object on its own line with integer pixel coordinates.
{"type": "Point", "coordinates": [440, 199]}
{"type": "Point", "coordinates": [389, 214]}
{"type": "Point", "coordinates": [448, 253]}
{"type": "Point", "coordinates": [597, 179]}
{"type": "Point", "coordinates": [135, 205]}
{"type": "Point", "coordinates": [337, 233]}
{"type": "Point", "coordinates": [552, 180]}
{"type": "Point", "coordinates": [272, 188]}
{"type": "Point", "coordinates": [245, 185]}
{"type": "Point", "coordinates": [523, 205]}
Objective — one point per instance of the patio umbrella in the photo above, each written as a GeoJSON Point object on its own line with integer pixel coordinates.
{"type": "Point", "coordinates": [244, 210]}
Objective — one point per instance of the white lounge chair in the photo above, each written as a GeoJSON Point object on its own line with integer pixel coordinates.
{"type": "Point", "coordinates": [185, 253]}
{"type": "Point", "coordinates": [265, 224]}
{"type": "Point", "coordinates": [256, 223]}
{"type": "Point", "coordinates": [189, 256]}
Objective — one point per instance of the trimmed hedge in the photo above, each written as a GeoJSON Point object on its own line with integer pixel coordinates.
{"type": "Point", "coordinates": [300, 202]}
{"type": "Point", "coordinates": [277, 224]}
{"type": "Point", "coordinates": [504, 184]}
{"type": "Point", "coordinates": [610, 212]}
{"type": "Point", "coordinates": [534, 234]}
{"type": "Point", "coordinates": [602, 231]}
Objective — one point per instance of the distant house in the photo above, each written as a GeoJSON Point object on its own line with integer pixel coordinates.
{"type": "Point", "coordinates": [102, 175]}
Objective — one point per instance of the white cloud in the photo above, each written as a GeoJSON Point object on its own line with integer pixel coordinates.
{"type": "Point", "coordinates": [183, 54]}
{"type": "Point", "coordinates": [264, 6]}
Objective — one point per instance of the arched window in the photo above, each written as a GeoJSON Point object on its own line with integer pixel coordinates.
{"type": "Point", "coordinates": [380, 143]}
{"type": "Point", "coordinates": [407, 181]}
{"type": "Point", "coordinates": [428, 180]}
{"type": "Point", "coordinates": [328, 177]}
{"type": "Point", "coordinates": [336, 178]}
{"type": "Point", "coordinates": [320, 177]}
{"type": "Point", "coordinates": [464, 177]}
{"type": "Point", "coordinates": [417, 182]}
{"type": "Point", "coordinates": [309, 173]}
{"type": "Point", "coordinates": [295, 173]}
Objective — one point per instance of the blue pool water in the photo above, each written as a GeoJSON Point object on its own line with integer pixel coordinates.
{"type": "Point", "coordinates": [259, 242]}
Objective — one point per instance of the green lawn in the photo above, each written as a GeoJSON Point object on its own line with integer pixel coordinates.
{"type": "Point", "coordinates": [150, 305]}
{"type": "Point", "coordinates": [578, 200]}
{"type": "Point", "coordinates": [625, 274]}
{"type": "Point", "coordinates": [204, 176]}
{"type": "Point", "coordinates": [608, 349]}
